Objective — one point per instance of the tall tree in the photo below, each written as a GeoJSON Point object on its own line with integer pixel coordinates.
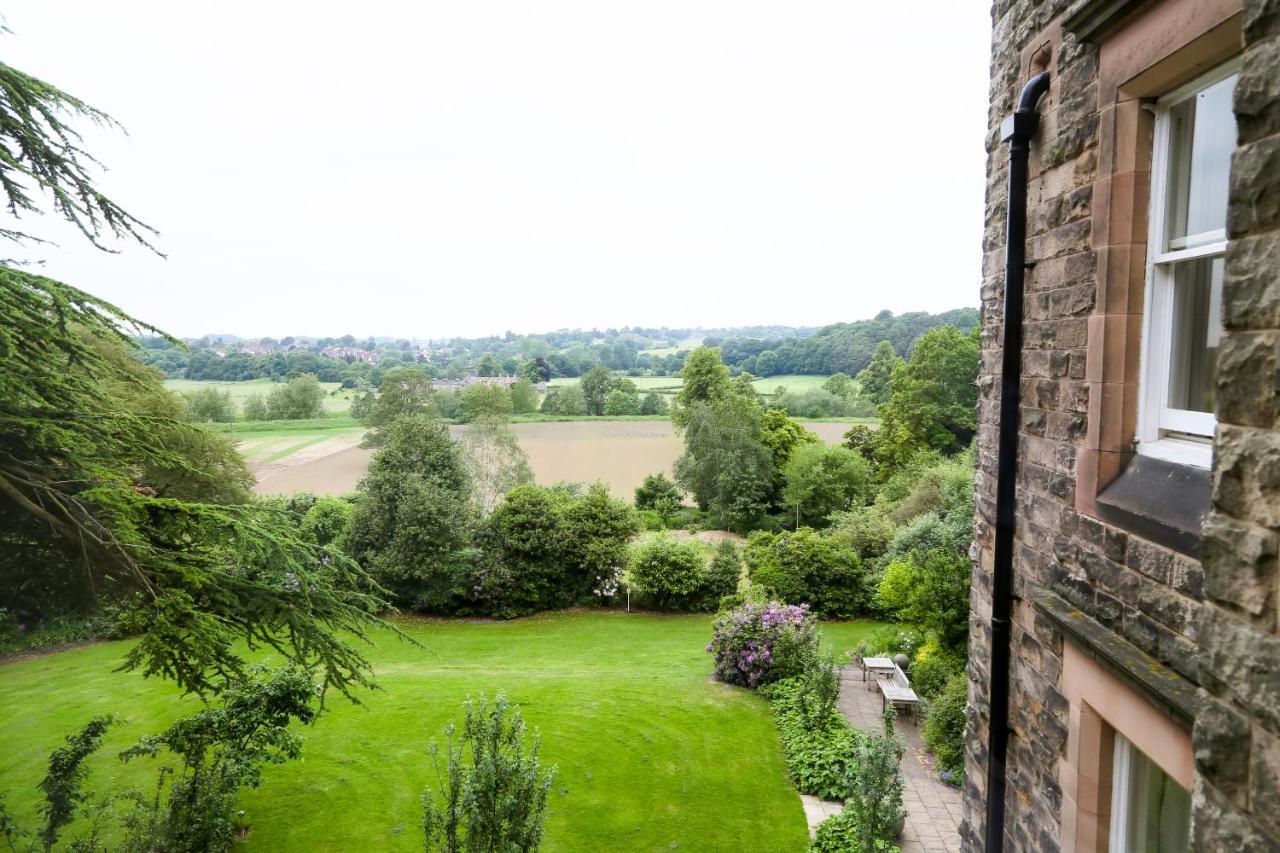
{"type": "Point", "coordinates": [932, 400]}
{"type": "Point", "coordinates": [524, 399]}
{"type": "Point", "coordinates": [417, 515]}
{"type": "Point", "coordinates": [705, 378]}
{"type": "Point", "coordinates": [80, 519]}
{"type": "Point", "coordinates": [483, 400]}
{"type": "Point", "coordinates": [873, 380]}
{"type": "Point", "coordinates": [596, 384]}
{"type": "Point", "coordinates": [495, 461]}
{"type": "Point", "coordinates": [725, 464]}
{"type": "Point", "coordinates": [822, 479]}
{"type": "Point", "coordinates": [404, 391]}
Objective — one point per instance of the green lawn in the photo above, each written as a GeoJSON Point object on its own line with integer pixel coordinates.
{"type": "Point", "coordinates": [340, 402]}
{"type": "Point", "coordinates": [653, 754]}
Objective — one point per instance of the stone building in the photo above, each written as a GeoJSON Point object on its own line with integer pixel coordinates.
{"type": "Point", "coordinates": [1144, 679]}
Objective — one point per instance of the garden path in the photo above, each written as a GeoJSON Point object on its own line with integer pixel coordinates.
{"type": "Point", "coordinates": [933, 806]}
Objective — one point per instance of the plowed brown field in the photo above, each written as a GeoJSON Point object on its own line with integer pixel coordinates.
{"type": "Point", "coordinates": [619, 453]}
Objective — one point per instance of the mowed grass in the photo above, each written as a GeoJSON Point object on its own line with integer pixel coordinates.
{"type": "Point", "coordinates": [261, 442]}
{"type": "Point", "coordinates": [259, 448]}
{"type": "Point", "coordinates": [340, 402]}
{"type": "Point", "coordinates": [652, 754]}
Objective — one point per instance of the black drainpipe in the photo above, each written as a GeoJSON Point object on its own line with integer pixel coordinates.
{"type": "Point", "coordinates": [1018, 130]}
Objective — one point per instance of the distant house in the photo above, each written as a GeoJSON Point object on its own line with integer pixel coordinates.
{"type": "Point", "coordinates": [350, 354]}
{"type": "Point", "coordinates": [1124, 657]}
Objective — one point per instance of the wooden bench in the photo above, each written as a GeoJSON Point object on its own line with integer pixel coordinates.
{"type": "Point", "coordinates": [896, 688]}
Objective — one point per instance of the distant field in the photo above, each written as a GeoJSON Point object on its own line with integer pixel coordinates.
{"type": "Point", "coordinates": [792, 382]}
{"type": "Point", "coordinates": [686, 344]}
{"type": "Point", "coordinates": [340, 402]}
{"type": "Point", "coordinates": [618, 453]}
{"type": "Point", "coordinates": [671, 384]}
{"type": "Point", "coordinates": [644, 383]}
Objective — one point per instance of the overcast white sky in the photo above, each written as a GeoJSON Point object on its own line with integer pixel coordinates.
{"type": "Point", "coordinates": [467, 167]}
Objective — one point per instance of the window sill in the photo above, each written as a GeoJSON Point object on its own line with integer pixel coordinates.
{"type": "Point", "coordinates": [1159, 500]}
{"type": "Point", "coordinates": [1194, 454]}
{"type": "Point", "coordinates": [1167, 690]}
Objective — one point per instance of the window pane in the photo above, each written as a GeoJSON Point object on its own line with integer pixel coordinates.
{"type": "Point", "coordinates": [1202, 135]}
{"type": "Point", "coordinates": [1197, 330]}
{"type": "Point", "coordinates": [1158, 810]}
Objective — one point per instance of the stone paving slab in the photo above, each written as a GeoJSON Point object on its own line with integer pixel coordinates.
{"type": "Point", "coordinates": [933, 807]}
{"type": "Point", "coordinates": [817, 810]}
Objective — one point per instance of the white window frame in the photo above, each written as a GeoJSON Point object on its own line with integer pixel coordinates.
{"type": "Point", "coordinates": [1122, 768]}
{"type": "Point", "coordinates": [1156, 420]}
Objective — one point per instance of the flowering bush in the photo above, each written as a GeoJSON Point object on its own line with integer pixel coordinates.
{"type": "Point", "coordinates": [760, 643]}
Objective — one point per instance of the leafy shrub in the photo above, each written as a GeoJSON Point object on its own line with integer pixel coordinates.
{"type": "Point", "coordinates": [843, 833]}
{"type": "Point", "coordinates": [867, 530]}
{"type": "Point", "coordinates": [327, 522]}
{"type": "Point", "coordinates": [818, 750]}
{"type": "Point", "coordinates": [496, 801]}
{"type": "Point", "coordinates": [63, 785]}
{"type": "Point", "coordinates": [943, 729]}
{"type": "Point", "coordinates": [548, 547]}
{"type": "Point", "coordinates": [808, 567]}
{"type": "Point", "coordinates": [51, 632]}
{"type": "Point", "coordinates": [819, 689]}
{"type": "Point", "coordinates": [650, 520]}
{"type": "Point", "coordinates": [653, 404]}
{"type": "Point", "coordinates": [255, 408]}
{"type": "Point", "coordinates": [931, 668]}
{"type": "Point", "coordinates": [723, 575]}
{"type": "Point", "coordinates": [300, 398]}
{"type": "Point", "coordinates": [655, 488]}
{"type": "Point", "coordinates": [669, 571]}
{"type": "Point", "coordinates": [759, 643]}
{"type": "Point", "coordinates": [814, 403]}
{"type": "Point", "coordinates": [945, 488]}
{"type": "Point", "coordinates": [447, 403]}
{"type": "Point", "coordinates": [930, 589]}
{"type": "Point", "coordinates": [222, 749]}
{"type": "Point", "coordinates": [875, 785]}
{"type": "Point", "coordinates": [619, 402]}
{"type": "Point", "coordinates": [210, 405]}
{"type": "Point", "coordinates": [894, 641]}
{"type": "Point", "coordinates": [928, 532]}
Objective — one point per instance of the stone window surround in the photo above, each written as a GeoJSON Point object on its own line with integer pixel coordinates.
{"type": "Point", "coordinates": [1146, 54]}
{"type": "Point", "coordinates": [1101, 705]}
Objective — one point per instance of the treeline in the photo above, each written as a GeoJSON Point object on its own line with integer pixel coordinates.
{"type": "Point", "coordinates": [838, 348]}
{"type": "Point", "coordinates": [760, 350]}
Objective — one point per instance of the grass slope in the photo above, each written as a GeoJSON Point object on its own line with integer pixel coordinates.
{"type": "Point", "coordinates": [653, 754]}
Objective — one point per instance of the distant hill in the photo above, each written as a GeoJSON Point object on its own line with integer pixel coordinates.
{"type": "Point", "coordinates": [838, 348]}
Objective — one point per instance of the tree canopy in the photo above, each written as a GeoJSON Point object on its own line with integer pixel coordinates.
{"type": "Point", "coordinates": [95, 467]}
{"type": "Point", "coordinates": [933, 398]}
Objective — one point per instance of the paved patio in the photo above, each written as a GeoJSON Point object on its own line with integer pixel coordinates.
{"type": "Point", "coordinates": [933, 807]}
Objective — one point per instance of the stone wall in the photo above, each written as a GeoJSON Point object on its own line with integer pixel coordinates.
{"type": "Point", "coordinates": [1237, 735]}
{"type": "Point", "coordinates": [1147, 594]}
